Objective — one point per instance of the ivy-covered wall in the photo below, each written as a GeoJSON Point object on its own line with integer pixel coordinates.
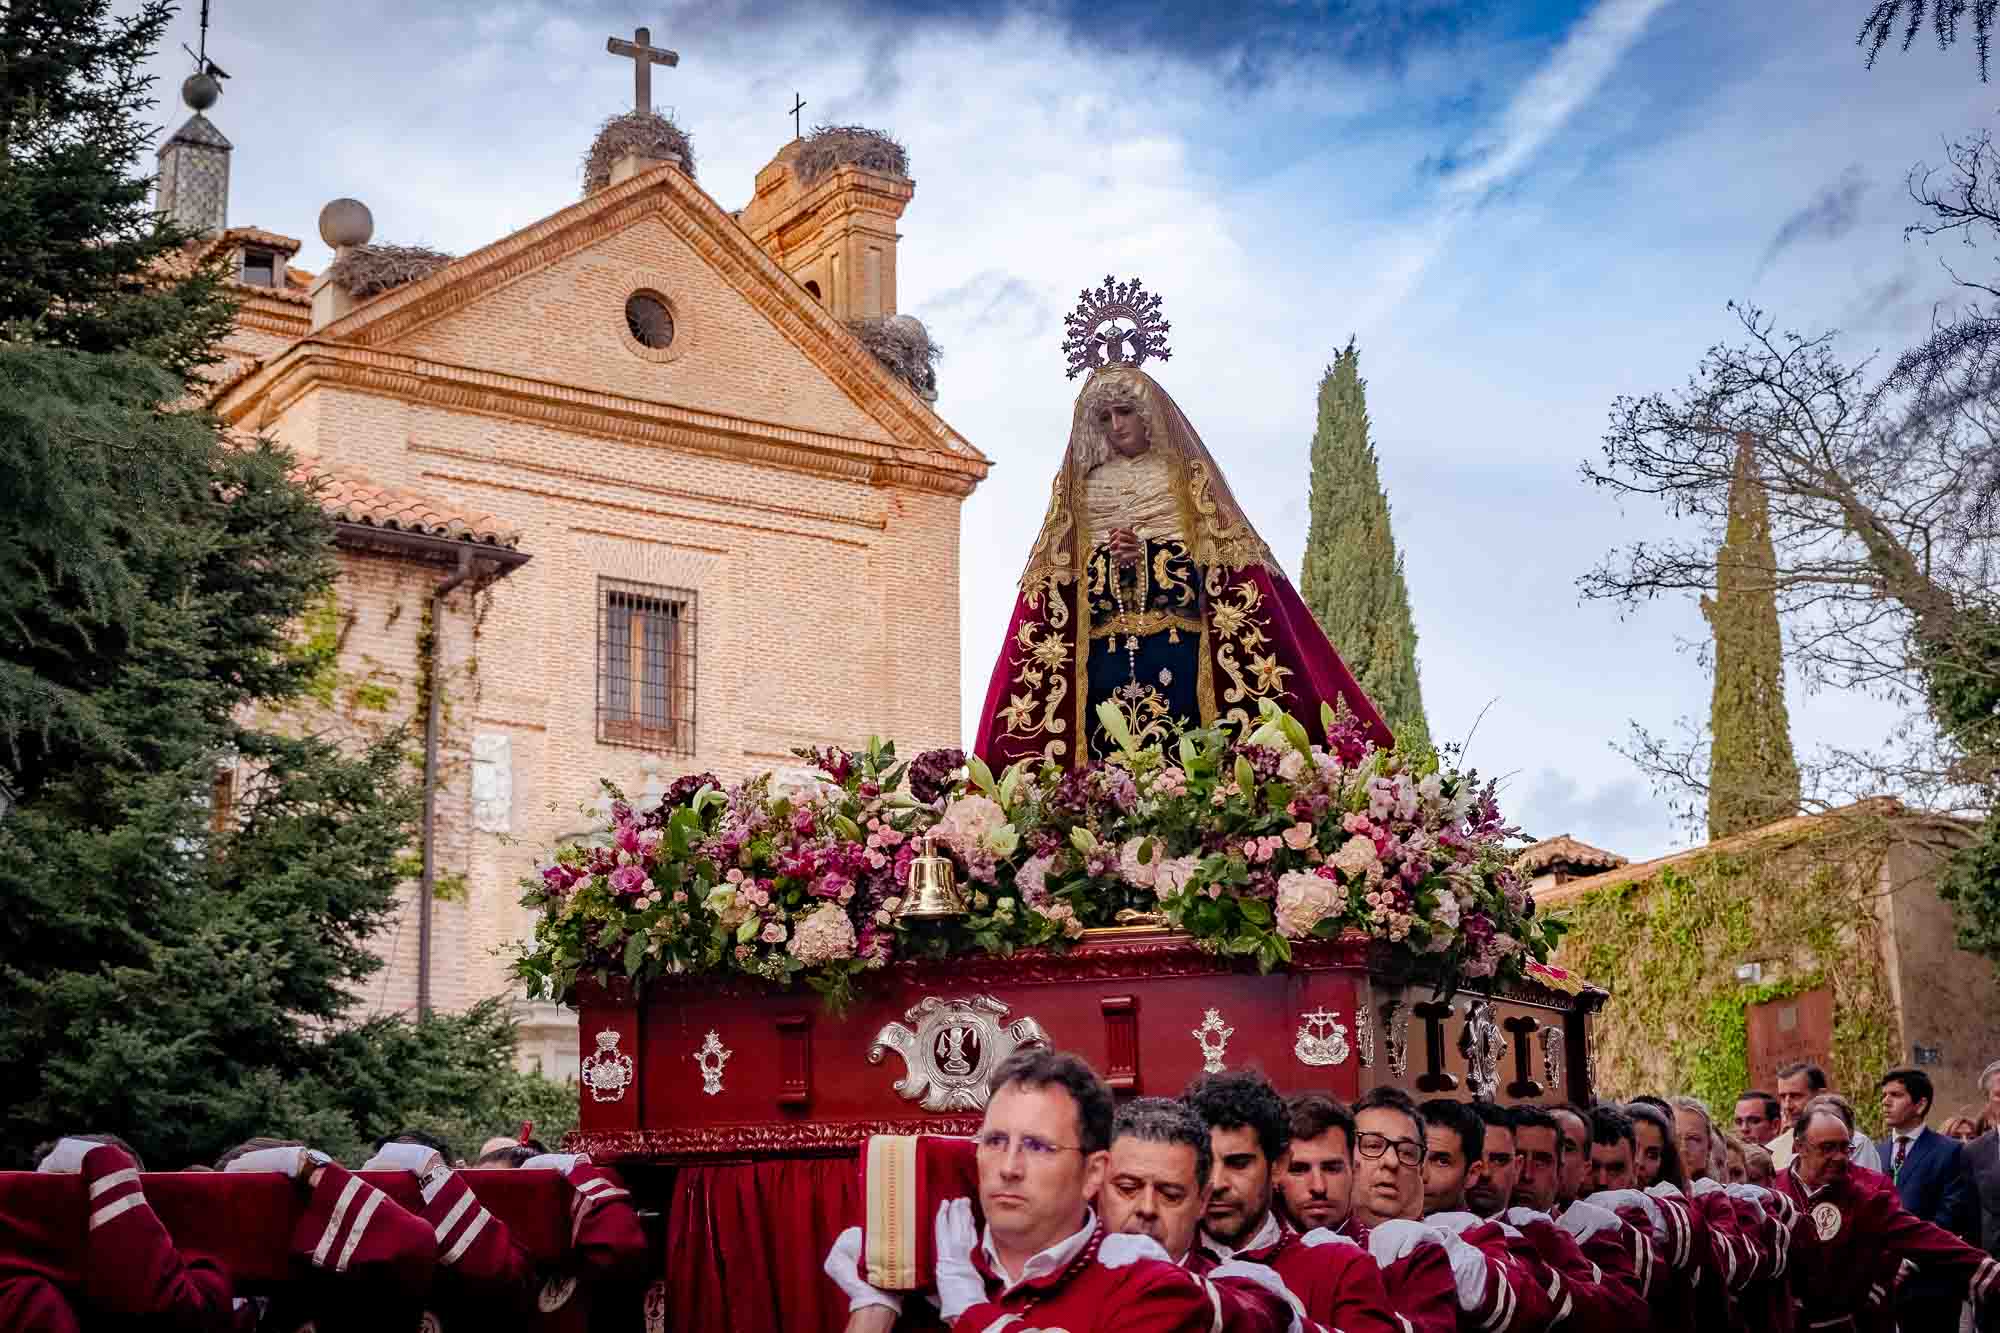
{"type": "Point", "coordinates": [1803, 903]}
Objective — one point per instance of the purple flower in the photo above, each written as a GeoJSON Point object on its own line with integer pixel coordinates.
{"type": "Point", "coordinates": [626, 839]}
{"type": "Point", "coordinates": [558, 878]}
{"type": "Point", "coordinates": [932, 773]}
{"type": "Point", "coordinates": [629, 880]}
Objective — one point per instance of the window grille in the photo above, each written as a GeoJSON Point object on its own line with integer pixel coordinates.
{"type": "Point", "coordinates": [646, 666]}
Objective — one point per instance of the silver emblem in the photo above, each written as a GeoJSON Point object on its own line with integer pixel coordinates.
{"type": "Point", "coordinates": [712, 1056]}
{"type": "Point", "coordinates": [1826, 1220]}
{"type": "Point", "coordinates": [950, 1047]}
{"type": "Point", "coordinates": [1552, 1056]}
{"type": "Point", "coordinates": [1396, 1036]}
{"type": "Point", "coordinates": [608, 1070]}
{"type": "Point", "coordinates": [1214, 1039]}
{"type": "Point", "coordinates": [1322, 1038]}
{"type": "Point", "coordinates": [655, 1307]}
{"type": "Point", "coordinates": [1480, 1042]}
{"type": "Point", "coordinates": [1364, 1032]}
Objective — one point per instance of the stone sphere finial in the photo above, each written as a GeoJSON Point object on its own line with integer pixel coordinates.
{"type": "Point", "coordinates": [200, 89]}
{"type": "Point", "coordinates": [346, 222]}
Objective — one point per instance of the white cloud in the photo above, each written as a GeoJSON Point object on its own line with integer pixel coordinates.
{"type": "Point", "coordinates": [1616, 188]}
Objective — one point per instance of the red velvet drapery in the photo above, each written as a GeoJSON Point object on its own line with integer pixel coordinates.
{"type": "Point", "coordinates": [745, 1241]}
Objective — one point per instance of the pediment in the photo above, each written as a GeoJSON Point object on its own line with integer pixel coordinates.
{"type": "Point", "coordinates": [547, 305]}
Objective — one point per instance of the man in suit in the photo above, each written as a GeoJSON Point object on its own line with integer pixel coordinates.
{"type": "Point", "coordinates": [1982, 1169]}
{"type": "Point", "coordinates": [1929, 1172]}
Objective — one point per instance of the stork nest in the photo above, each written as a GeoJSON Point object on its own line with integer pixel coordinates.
{"type": "Point", "coordinates": [369, 270]}
{"type": "Point", "coordinates": [830, 146]}
{"type": "Point", "coordinates": [904, 346]}
{"type": "Point", "coordinates": [647, 133]}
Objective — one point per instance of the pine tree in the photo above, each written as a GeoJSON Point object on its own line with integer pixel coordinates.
{"type": "Point", "coordinates": [1352, 577]}
{"type": "Point", "coordinates": [1753, 778]}
{"type": "Point", "coordinates": [180, 974]}
{"type": "Point", "coordinates": [74, 208]}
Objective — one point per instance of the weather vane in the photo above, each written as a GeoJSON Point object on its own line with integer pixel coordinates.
{"type": "Point", "coordinates": [1119, 324]}
{"type": "Point", "coordinates": [202, 64]}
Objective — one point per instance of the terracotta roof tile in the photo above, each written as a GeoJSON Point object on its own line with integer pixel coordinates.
{"type": "Point", "coordinates": [351, 499]}
{"type": "Point", "coordinates": [1565, 850]}
{"type": "Point", "coordinates": [1876, 807]}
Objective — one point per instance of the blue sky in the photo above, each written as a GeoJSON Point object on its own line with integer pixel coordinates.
{"type": "Point", "coordinates": [1521, 211]}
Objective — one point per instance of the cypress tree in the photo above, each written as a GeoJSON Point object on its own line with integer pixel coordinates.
{"type": "Point", "coordinates": [1352, 577]}
{"type": "Point", "coordinates": [1753, 777]}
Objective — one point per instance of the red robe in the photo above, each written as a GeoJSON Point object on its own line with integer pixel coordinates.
{"type": "Point", "coordinates": [32, 1304]}
{"type": "Point", "coordinates": [1340, 1286]}
{"type": "Point", "coordinates": [1522, 1296]}
{"type": "Point", "coordinates": [1600, 1300]}
{"type": "Point", "coordinates": [1421, 1290]}
{"type": "Point", "coordinates": [1147, 1296]}
{"type": "Point", "coordinates": [605, 1234]}
{"type": "Point", "coordinates": [130, 1265]}
{"type": "Point", "coordinates": [475, 1248]}
{"type": "Point", "coordinates": [1848, 1228]}
{"type": "Point", "coordinates": [1247, 1307]}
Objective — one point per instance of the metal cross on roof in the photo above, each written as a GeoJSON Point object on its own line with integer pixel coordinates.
{"type": "Point", "coordinates": [644, 55]}
{"type": "Point", "coordinates": [798, 105]}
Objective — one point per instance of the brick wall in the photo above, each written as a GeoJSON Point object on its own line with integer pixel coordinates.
{"type": "Point", "coordinates": [827, 606]}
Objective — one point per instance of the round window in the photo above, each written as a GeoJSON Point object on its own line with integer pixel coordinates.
{"type": "Point", "coordinates": [650, 319]}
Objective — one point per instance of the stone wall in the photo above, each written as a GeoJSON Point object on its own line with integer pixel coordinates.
{"type": "Point", "coordinates": [1845, 900]}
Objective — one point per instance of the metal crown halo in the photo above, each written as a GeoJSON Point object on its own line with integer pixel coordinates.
{"type": "Point", "coordinates": [1119, 324]}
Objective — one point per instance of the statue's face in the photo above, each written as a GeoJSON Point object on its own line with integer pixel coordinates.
{"type": "Point", "coordinates": [1124, 428]}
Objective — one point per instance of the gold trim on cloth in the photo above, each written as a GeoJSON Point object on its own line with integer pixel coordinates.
{"type": "Point", "coordinates": [891, 1255]}
{"type": "Point", "coordinates": [1240, 628]}
{"type": "Point", "coordinates": [1145, 622]}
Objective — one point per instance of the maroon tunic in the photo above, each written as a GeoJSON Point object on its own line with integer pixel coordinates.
{"type": "Point", "coordinates": [1600, 1300]}
{"type": "Point", "coordinates": [130, 1264]}
{"type": "Point", "coordinates": [1844, 1232]}
{"type": "Point", "coordinates": [1339, 1285]}
{"type": "Point", "coordinates": [1146, 1296]}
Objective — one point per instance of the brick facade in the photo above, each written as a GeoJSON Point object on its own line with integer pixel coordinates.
{"type": "Point", "coordinates": [764, 463]}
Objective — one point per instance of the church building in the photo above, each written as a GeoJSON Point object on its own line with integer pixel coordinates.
{"type": "Point", "coordinates": [644, 489]}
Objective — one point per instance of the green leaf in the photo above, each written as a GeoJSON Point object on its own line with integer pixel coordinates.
{"type": "Point", "coordinates": [1326, 719]}
{"type": "Point", "coordinates": [1295, 732]}
{"type": "Point", "coordinates": [1113, 721]}
{"type": "Point", "coordinates": [982, 776]}
{"type": "Point", "coordinates": [1246, 777]}
{"type": "Point", "coordinates": [847, 828]}
{"type": "Point", "coordinates": [1255, 909]}
{"type": "Point", "coordinates": [635, 953]}
{"type": "Point", "coordinates": [1083, 840]}
{"type": "Point", "coordinates": [748, 930]}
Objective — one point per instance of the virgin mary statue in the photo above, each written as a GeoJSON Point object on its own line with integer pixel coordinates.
{"type": "Point", "coordinates": [1147, 586]}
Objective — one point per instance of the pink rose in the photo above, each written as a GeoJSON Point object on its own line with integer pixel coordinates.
{"type": "Point", "coordinates": [629, 879]}
{"type": "Point", "coordinates": [1299, 837]}
{"type": "Point", "coordinates": [773, 933]}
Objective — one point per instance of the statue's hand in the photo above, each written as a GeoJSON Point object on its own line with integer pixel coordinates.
{"type": "Point", "coordinates": [1126, 548]}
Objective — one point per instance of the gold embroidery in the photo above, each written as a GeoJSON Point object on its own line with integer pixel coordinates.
{"type": "Point", "coordinates": [1146, 714]}
{"type": "Point", "coordinates": [1241, 628]}
{"type": "Point", "coordinates": [1145, 622]}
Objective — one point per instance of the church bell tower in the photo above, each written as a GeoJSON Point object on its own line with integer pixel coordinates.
{"type": "Point", "coordinates": [193, 185]}
{"type": "Point", "coordinates": [826, 209]}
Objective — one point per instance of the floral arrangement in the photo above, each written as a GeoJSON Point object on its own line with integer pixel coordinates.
{"type": "Point", "coordinates": [1246, 838]}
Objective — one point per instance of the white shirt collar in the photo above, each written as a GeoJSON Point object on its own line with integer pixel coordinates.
{"type": "Point", "coordinates": [1052, 1260]}
{"type": "Point", "coordinates": [1268, 1234]}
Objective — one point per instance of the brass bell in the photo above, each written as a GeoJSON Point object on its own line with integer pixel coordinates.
{"type": "Point", "coordinates": [933, 893]}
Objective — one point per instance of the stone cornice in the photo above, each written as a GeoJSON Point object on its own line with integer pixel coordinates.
{"type": "Point", "coordinates": [257, 400]}
{"type": "Point", "coordinates": [668, 194]}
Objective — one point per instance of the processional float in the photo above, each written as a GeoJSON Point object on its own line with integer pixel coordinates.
{"type": "Point", "coordinates": [1149, 860]}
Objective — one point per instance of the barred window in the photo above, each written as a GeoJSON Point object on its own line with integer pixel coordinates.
{"type": "Point", "coordinates": [646, 666]}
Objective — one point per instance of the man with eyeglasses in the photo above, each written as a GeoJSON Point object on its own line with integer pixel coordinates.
{"type": "Point", "coordinates": [1042, 1155]}
{"type": "Point", "coordinates": [1250, 1130]}
{"type": "Point", "coordinates": [1485, 1288]}
{"type": "Point", "coordinates": [1851, 1224]}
